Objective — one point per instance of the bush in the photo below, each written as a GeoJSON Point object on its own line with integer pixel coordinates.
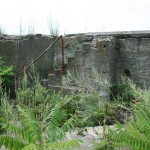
{"type": "Point", "coordinates": [93, 100]}
{"type": "Point", "coordinates": [6, 72]}
{"type": "Point", "coordinates": [135, 134]}
{"type": "Point", "coordinates": [40, 120]}
{"type": "Point", "coordinates": [121, 91]}
{"type": "Point", "coordinates": [28, 133]}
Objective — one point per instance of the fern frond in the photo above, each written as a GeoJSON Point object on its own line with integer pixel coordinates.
{"type": "Point", "coordinates": [69, 124]}
{"type": "Point", "coordinates": [30, 124]}
{"type": "Point", "coordinates": [54, 132]}
{"type": "Point", "coordinates": [13, 129]}
{"type": "Point", "coordinates": [54, 112]}
{"type": "Point", "coordinates": [64, 145]}
{"type": "Point", "coordinates": [142, 121]}
{"type": "Point", "coordinates": [55, 129]}
{"type": "Point", "coordinates": [56, 109]}
{"type": "Point", "coordinates": [102, 145]}
{"type": "Point", "coordinates": [129, 137]}
{"type": "Point", "coordinates": [32, 147]}
{"type": "Point", "coordinates": [11, 143]}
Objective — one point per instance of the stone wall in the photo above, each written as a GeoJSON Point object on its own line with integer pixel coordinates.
{"type": "Point", "coordinates": [19, 51]}
{"type": "Point", "coordinates": [133, 58]}
{"type": "Point", "coordinates": [113, 54]}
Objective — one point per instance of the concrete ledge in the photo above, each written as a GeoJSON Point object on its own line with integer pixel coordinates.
{"type": "Point", "coordinates": [117, 34]}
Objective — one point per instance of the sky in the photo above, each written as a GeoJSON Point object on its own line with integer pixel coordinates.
{"type": "Point", "coordinates": [73, 16]}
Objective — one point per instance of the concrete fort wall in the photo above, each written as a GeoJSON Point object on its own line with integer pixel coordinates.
{"type": "Point", "coordinates": [113, 54]}
{"type": "Point", "coordinates": [19, 51]}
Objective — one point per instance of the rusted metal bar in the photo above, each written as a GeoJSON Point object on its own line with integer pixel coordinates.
{"type": "Point", "coordinates": [62, 52]}
{"type": "Point", "coordinates": [43, 53]}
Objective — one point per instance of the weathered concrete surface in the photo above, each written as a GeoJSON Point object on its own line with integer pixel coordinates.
{"type": "Point", "coordinates": [133, 54]}
{"type": "Point", "coordinates": [19, 51]}
{"type": "Point", "coordinates": [115, 54]}
{"type": "Point", "coordinates": [112, 54]}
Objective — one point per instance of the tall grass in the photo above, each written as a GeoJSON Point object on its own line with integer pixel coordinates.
{"type": "Point", "coordinates": [135, 133]}
{"type": "Point", "coordinates": [52, 27]}
{"type": "Point", "coordinates": [90, 106]}
{"type": "Point", "coordinates": [93, 98]}
{"type": "Point", "coordinates": [2, 31]}
{"type": "Point", "coordinates": [39, 113]}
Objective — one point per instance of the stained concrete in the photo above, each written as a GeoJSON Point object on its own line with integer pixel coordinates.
{"type": "Point", "coordinates": [111, 53]}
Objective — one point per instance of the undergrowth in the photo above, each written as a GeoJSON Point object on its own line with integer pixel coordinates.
{"type": "Point", "coordinates": [36, 119]}
{"type": "Point", "coordinates": [135, 133]}
{"type": "Point", "coordinates": [92, 100]}
{"type": "Point", "coordinates": [39, 119]}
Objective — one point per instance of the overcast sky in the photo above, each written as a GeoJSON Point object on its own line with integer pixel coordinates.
{"type": "Point", "coordinates": [74, 16]}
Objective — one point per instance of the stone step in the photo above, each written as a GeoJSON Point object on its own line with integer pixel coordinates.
{"type": "Point", "coordinates": [44, 82]}
{"type": "Point", "coordinates": [64, 90]}
{"type": "Point", "coordinates": [52, 79]}
{"type": "Point", "coordinates": [58, 73]}
{"type": "Point", "coordinates": [54, 87]}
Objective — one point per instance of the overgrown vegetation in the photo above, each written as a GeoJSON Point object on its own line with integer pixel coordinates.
{"type": "Point", "coordinates": [52, 27]}
{"type": "Point", "coordinates": [93, 99]}
{"type": "Point", "coordinates": [135, 133]}
{"type": "Point", "coordinates": [39, 119]}
{"type": "Point", "coordinates": [31, 134]}
{"type": "Point", "coordinates": [2, 31]}
{"type": "Point", "coordinates": [6, 72]}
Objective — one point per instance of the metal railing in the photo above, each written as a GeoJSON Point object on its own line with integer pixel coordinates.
{"type": "Point", "coordinates": [45, 51]}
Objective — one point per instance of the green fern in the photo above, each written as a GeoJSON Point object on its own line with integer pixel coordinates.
{"type": "Point", "coordinates": [5, 73]}
{"type": "Point", "coordinates": [11, 142]}
{"type": "Point", "coordinates": [64, 145]}
{"type": "Point", "coordinates": [16, 130]}
{"type": "Point", "coordinates": [31, 147]}
{"type": "Point", "coordinates": [136, 133]}
{"type": "Point", "coordinates": [31, 135]}
{"type": "Point", "coordinates": [31, 125]}
{"type": "Point", "coordinates": [56, 125]}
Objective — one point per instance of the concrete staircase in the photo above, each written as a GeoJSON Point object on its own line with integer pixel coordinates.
{"type": "Point", "coordinates": [55, 80]}
{"type": "Point", "coordinates": [97, 53]}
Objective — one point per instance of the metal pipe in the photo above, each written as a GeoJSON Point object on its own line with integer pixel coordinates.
{"type": "Point", "coordinates": [62, 61]}
{"type": "Point", "coordinates": [42, 53]}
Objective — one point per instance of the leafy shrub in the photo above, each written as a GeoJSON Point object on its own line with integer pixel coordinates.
{"type": "Point", "coordinates": [6, 106]}
{"type": "Point", "coordinates": [42, 120]}
{"type": "Point", "coordinates": [90, 104]}
{"type": "Point", "coordinates": [6, 72]}
{"type": "Point", "coordinates": [121, 91]}
{"type": "Point", "coordinates": [35, 97]}
{"type": "Point", "coordinates": [135, 134]}
{"type": "Point", "coordinates": [29, 134]}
